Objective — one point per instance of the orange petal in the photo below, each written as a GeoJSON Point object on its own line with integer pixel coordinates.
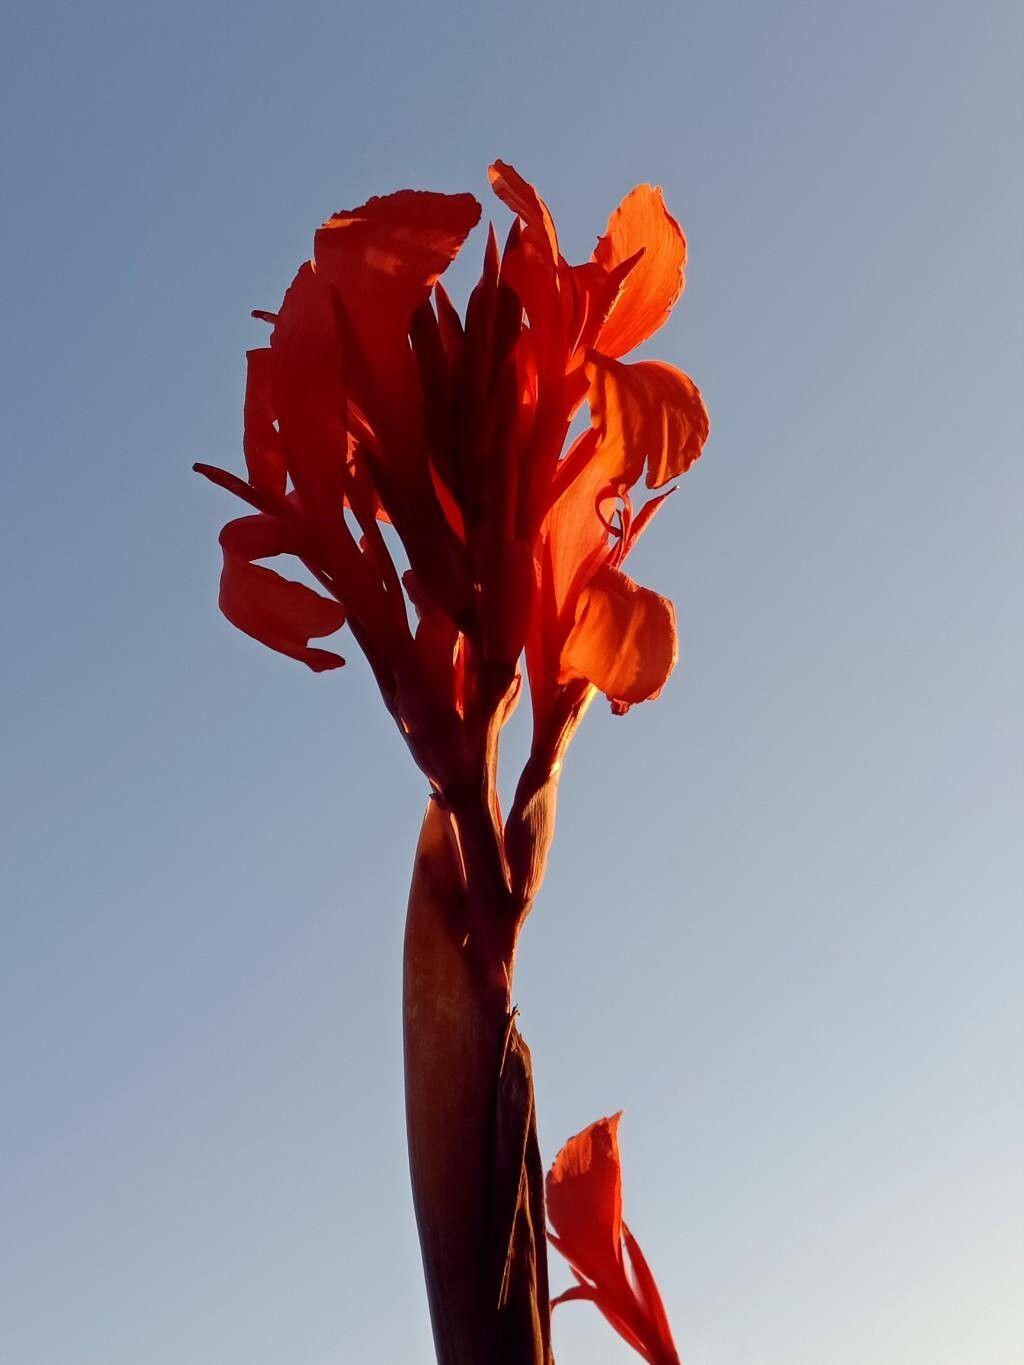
{"type": "Point", "coordinates": [574, 543]}
{"type": "Point", "coordinates": [648, 413]}
{"type": "Point", "coordinates": [648, 1292]}
{"type": "Point", "coordinates": [276, 611]}
{"type": "Point", "coordinates": [593, 291]}
{"type": "Point", "coordinates": [649, 291]}
{"type": "Point", "coordinates": [575, 539]}
{"type": "Point", "coordinates": [623, 639]}
{"type": "Point", "coordinates": [584, 1200]}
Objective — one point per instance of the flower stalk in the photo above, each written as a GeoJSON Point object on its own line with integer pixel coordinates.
{"type": "Point", "coordinates": [377, 412]}
{"type": "Point", "coordinates": [473, 1155]}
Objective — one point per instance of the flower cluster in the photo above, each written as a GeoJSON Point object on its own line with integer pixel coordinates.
{"type": "Point", "coordinates": [461, 489]}
{"type": "Point", "coordinates": [376, 403]}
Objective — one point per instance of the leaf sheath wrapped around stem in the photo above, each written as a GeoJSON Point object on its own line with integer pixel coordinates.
{"type": "Point", "coordinates": [474, 1162]}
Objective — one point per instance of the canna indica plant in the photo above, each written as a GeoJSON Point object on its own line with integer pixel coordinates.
{"type": "Point", "coordinates": [377, 416]}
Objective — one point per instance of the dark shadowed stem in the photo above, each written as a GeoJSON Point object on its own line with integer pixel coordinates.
{"type": "Point", "coordinates": [473, 1155]}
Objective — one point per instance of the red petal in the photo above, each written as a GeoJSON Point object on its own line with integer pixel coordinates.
{"type": "Point", "coordinates": [641, 222]}
{"type": "Point", "coordinates": [594, 290]}
{"type": "Point", "coordinates": [576, 1293]}
{"type": "Point", "coordinates": [574, 544]}
{"type": "Point", "coordinates": [383, 259]}
{"type": "Point", "coordinates": [650, 1297]}
{"type": "Point", "coordinates": [385, 256]}
{"type": "Point", "coordinates": [264, 457]}
{"type": "Point", "coordinates": [521, 197]}
{"type": "Point", "coordinates": [276, 611]}
{"type": "Point", "coordinates": [584, 1199]}
{"type": "Point", "coordinates": [577, 541]}
{"type": "Point", "coordinates": [623, 639]}
{"type": "Point", "coordinates": [309, 394]}
{"type": "Point", "coordinates": [231, 483]}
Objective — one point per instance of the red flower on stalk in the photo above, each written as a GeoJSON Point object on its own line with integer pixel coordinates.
{"type": "Point", "coordinates": [584, 1198]}
{"type": "Point", "coordinates": [376, 421]}
{"type": "Point", "coordinates": [375, 403]}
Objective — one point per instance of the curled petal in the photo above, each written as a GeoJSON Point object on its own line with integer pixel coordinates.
{"type": "Point", "coordinates": [276, 611]}
{"type": "Point", "coordinates": [623, 639]}
{"type": "Point", "coordinates": [641, 222]}
{"type": "Point", "coordinates": [648, 414]}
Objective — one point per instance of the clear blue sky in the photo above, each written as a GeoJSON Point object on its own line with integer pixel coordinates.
{"type": "Point", "coordinates": [782, 925]}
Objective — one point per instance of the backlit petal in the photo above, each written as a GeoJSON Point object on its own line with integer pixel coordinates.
{"type": "Point", "coordinates": [584, 1200]}
{"type": "Point", "coordinates": [576, 541]}
{"type": "Point", "coordinates": [651, 288]}
{"type": "Point", "coordinates": [384, 258]}
{"type": "Point", "coordinates": [276, 611]}
{"type": "Point", "coordinates": [648, 414]}
{"type": "Point", "coordinates": [623, 639]}
{"type": "Point", "coordinates": [522, 198]}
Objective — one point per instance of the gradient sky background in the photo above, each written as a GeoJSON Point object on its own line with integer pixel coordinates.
{"type": "Point", "coordinates": [782, 924]}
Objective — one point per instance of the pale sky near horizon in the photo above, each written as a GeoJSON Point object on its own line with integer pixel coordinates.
{"type": "Point", "coordinates": [782, 925]}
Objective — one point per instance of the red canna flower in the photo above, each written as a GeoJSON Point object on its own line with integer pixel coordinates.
{"type": "Point", "coordinates": [417, 465]}
{"type": "Point", "coordinates": [375, 403]}
{"type": "Point", "coordinates": [584, 1196]}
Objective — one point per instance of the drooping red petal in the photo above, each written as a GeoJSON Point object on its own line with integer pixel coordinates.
{"type": "Point", "coordinates": [584, 1201]}
{"type": "Point", "coordinates": [641, 222]}
{"type": "Point", "coordinates": [623, 639]}
{"type": "Point", "coordinates": [648, 414]}
{"type": "Point", "coordinates": [276, 611]}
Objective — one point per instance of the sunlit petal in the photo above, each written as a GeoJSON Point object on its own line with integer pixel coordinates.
{"type": "Point", "coordinates": [623, 639]}
{"type": "Point", "coordinates": [648, 414]}
{"type": "Point", "coordinates": [641, 222]}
